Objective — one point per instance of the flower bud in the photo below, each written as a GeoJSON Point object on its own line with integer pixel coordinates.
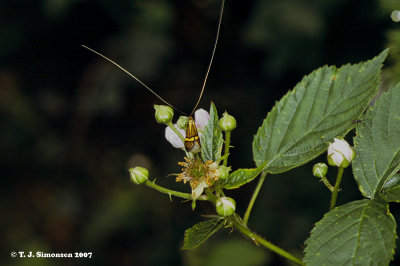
{"type": "Point", "coordinates": [320, 170]}
{"type": "Point", "coordinates": [223, 171]}
{"type": "Point", "coordinates": [227, 122]}
{"type": "Point", "coordinates": [164, 113]}
{"type": "Point", "coordinates": [139, 175]}
{"type": "Point", "coordinates": [340, 153]}
{"type": "Point", "coordinates": [225, 206]}
{"type": "Point", "coordinates": [395, 15]}
{"type": "Point", "coordinates": [182, 122]}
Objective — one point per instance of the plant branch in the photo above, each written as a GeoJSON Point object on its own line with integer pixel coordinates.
{"type": "Point", "coordinates": [227, 145]}
{"type": "Point", "coordinates": [253, 197]}
{"type": "Point", "coordinates": [238, 224]}
{"type": "Point", "coordinates": [336, 188]}
{"type": "Point", "coordinates": [170, 192]}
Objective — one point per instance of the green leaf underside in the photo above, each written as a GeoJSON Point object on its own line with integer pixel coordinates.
{"type": "Point", "coordinates": [322, 106]}
{"type": "Point", "coordinates": [211, 139]}
{"type": "Point", "coordinates": [242, 176]}
{"type": "Point", "coordinates": [377, 144]}
{"type": "Point", "coordinates": [358, 233]}
{"type": "Point", "coordinates": [199, 233]}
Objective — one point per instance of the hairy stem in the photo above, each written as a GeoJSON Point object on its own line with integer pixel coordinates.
{"type": "Point", "coordinates": [227, 146]}
{"type": "Point", "coordinates": [238, 224]}
{"type": "Point", "coordinates": [173, 192]}
{"type": "Point", "coordinates": [253, 197]}
{"type": "Point", "coordinates": [336, 188]}
{"type": "Point", "coordinates": [327, 183]}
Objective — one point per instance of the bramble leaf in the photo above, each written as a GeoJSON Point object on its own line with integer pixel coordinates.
{"type": "Point", "coordinates": [377, 144]}
{"type": "Point", "coordinates": [361, 232]}
{"type": "Point", "coordinates": [242, 176]}
{"type": "Point", "coordinates": [322, 106]}
{"type": "Point", "coordinates": [199, 233]}
{"type": "Point", "coordinates": [211, 139]}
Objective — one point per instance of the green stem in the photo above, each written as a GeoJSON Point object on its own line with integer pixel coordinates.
{"type": "Point", "coordinates": [237, 223]}
{"type": "Point", "coordinates": [327, 183]}
{"type": "Point", "coordinates": [253, 197]}
{"type": "Point", "coordinates": [173, 192]}
{"type": "Point", "coordinates": [227, 145]}
{"type": "Point", "coordinates": [336, 188]}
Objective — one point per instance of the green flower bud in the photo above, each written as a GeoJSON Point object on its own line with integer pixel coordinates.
{"type": "Point", "coordinates": [340, 153]}
{"type": "Point", "coordinates": [164, 113]}
{"type": "Point", "coordinates": [320, 170]}
{"type": "Point", "coordinates": [223, 171]}
{"type": "Point", "coordinates": [227, 122]}
{"type": "Point", "coordinates": [395, 15]}
{"type": "Point", "coordinates": [139, 175]}
{"type": "Point", "coordinates": [182, 122]}
{"type": "Point", "coordinates": [225, 206]}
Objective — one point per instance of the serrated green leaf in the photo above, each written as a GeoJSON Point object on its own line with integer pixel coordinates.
{"type": "Point", "coordinates": [211, 139]}
{"type": "Point", "coordinates": [358, 233]}
{"type": "Point", "coordinates": [242, 176]}
{"type": "Point", "coordinates": [200, 232]}
{"type": "Point", "coordinates": [322, 106]}
{"type": "Point", "coordinates": [377, 144]}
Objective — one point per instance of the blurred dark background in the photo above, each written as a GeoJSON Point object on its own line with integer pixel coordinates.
{"type": "Point", "coordinates": [72, 124]}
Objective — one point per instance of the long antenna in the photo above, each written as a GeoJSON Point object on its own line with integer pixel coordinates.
{"type": "Point", "coordinates": [134, 77]}
{"type": "Point", "coordinates": [212, 56]}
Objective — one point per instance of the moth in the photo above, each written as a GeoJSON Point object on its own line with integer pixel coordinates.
{"type": "Point", "coordinates": [192, 139]}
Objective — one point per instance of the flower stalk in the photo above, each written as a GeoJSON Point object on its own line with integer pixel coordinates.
{"type": "Point", "coordinates": [336, 188]}
{"type": "Point", "coordinates": [227, 146]}
{"type": "Point", "coordinates": [253, 197]}
{"type": "Point", "coordinates": [227, 123]}
{"type": "Point", "coordinates": [239, 224]}
{"type": "Point", "coordinates": [171, 192]}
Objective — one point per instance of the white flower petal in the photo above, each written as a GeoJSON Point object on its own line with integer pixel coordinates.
{"type": "Point", "coordinates": [172, 138]}
{"type": "Point", "coordinates": [337, 158]}
{"type": "Point", "coordinates": [201, 118]}
{"type": "Point", "coordinates": [198, 190]}
{"type": "Point", "coordinates": [340, 150]}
